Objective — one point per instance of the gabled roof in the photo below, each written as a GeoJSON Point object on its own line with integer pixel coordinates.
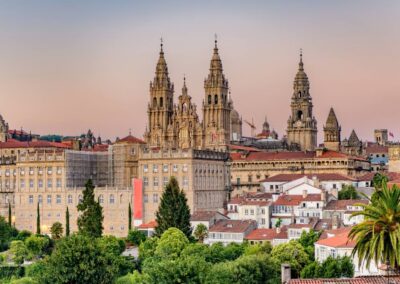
{"type": "Point", "coordinates": [205, 215]}
{"type": "Point", "coordinates": [149, 225]}
{"type": "Point", "coordinates": [293, 200]}
{"type": "Point", "coordinates": [130, 139]}
{"type": "Point", "coordinates": [320, 177]}
{"type": "Point", "coordinates": [232, 226]}
{"type": "Point", "coordinates": [342, 204]}
{"type": "Point", "coordinates": [340, 240]}
{"type": "Point", "coordinates": [268, 234]}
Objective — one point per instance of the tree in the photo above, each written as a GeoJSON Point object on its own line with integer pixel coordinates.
{"type": "Point", "coordinates": [377, 237]}
{"type": "Point", "coordinates": [378, 180]}
{"type": "Point", "coordinates": [348, 192]}
{"type": "Point", "coordinates": [18, 251]}
{"type": "Point", "coordinates": [90, 222]}
{"type": "Point", "coordinates": [278, 223]}
{"type": "Point", "coordinates": [36, 246]}
{"type": "Point", "coordinates": [129, 217]}
{"type": "Point", "coordinates": [56, 230]}
{"type": "Point", "coordinates": [201, 232]}
{"type": "Point", "coordinates": [67, 222]}
{"type": "Point", "coordinates": [331, 268]}
{"type": "Point", "coordinates": [38, 219]}
{"type": "Point", "coordinates": [171, 243]}
{"type": "Point", "coordinates": [292, 253]}
{"type": "Point", "coordinates": [173, 210]}
{"type": "Point", "coordinates": [79, 259]}
{"type": "Point", "coordinates": [9, 214]}
{"type": "Point", "coordinates": [307, 240]}
{"type": "Point", "coordinates": [135, 237]}
{"type": "Point", "coordinates": [134, 278]}
{"type": "Point", "coordinates": [7, 233]}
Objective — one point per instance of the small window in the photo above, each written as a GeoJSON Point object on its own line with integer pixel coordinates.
{"type": "Point", "coordinates": [70, 199]}
{"type": "Point", "coordinates": [216, 99]}
{"type": "Point", "coordinates": [58, 199]}
{"type": "Point", "coordinates": [112, 200]}
{"type": "Point", "coordinates": [40, 199]}
{"type": "Point", "coordinates": [49, 199]}
{"type": "Point", "coordinates": [161, 102]}
{"type": "Point", "coordinates": [209, 99]}
{"type": "Point", "coordinates": [101, 199]}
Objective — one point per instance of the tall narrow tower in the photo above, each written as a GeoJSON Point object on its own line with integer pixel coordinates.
{"type": "Point", "coordinates": [302, 126]}
{"type": "Point", "coordinates": [160, 108]}
{"type": "Point", "coordinates": [216, 106]}
{"type": "Point", "coordinates": [332, 132]}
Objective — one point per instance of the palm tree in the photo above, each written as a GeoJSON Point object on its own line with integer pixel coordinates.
{"type": "Point", "coordinates": [201, 232]}
{"type": "Point", "coordinates": [378, 236]}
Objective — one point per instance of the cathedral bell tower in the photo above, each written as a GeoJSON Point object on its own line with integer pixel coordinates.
{"type": "Point", "coordinates": [302, 126]}
{"type": "Point", "coordinates": [332, 132]}
{"type": "Point", "coordinates": [216, 106]}
{"type": "Point", "coordinates": [160, 108]}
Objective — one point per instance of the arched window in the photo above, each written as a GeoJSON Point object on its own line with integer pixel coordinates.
{"type": "Point", "coordinates": [209, 99]}
{"type": "Point", "coordinates": [216, 99]}
{"type": "Point", "coordinates": [299, 115]}
{"type": "Point", "coordinates": [154, 102]}
{"type": "Point", "coordinates": [121, 198]}
{"type": "Point", "coordinates": [101, 199]}
{"type": "Point", "coordinates": [161, 102]}
{"type": "Point", "coordinates": [70, 199]}
{"type": "Point", "coordinates": [112, 200]}
{"type": "Point", "coordinates": [40, 199]}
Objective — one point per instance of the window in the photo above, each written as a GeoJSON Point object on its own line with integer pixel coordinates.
{"type": "Point", "coordinates": [70, 199]}
{"type": "Point", "coordinates": [175, 168]}
{"type": "Point", "coordinates": [155, 181]}
{"type": "Point", "coordinates": [262, 221]}
{"type": "Point", "coordinates": [250, 178]}
{"type": "Point", "coordinates": [165, 168]}
{"type": "Point", "coordinates": [22, 183]}
{"type": "Point", "coordinates": [216, 99]}
{"type": "Point", "coordinates": [31, 183]}
{"type": "Point", "coordinates": [31, 171]}
{"type": "Point", "coordinates": [155, 198]}
{"type": "Point", "coordinates": [238, 181]}
{"type": "Point", "coordinates": [155, 168]}
{"type": "Point", "coordinates": [209, 99]}
{"type": "Point", "coordinates": [49, 199]}
{"type": "Point", "coordinates": [334, 185]}
{"type": "Point", "coordinates": [271, 186]}
{"type": "Point", "coordinates": [49, 183]}
{"type": "Point", "coordinates": [101, 199]}
{"type": "Point", "coordinates": [112, 200]}
{"type": "Point", "coordinates": [252, 212]}
{"type": "Point", "coordinates": [58, 199]}
{"type": "Point", "coordinates": [30, 199]}
{"type": "Point", "coordinates": [185, 168]}
{"type": "Point", "coordinates": [185, 181]}
{"type": "Point", "coordinates": [145, 181]}
{"type": "Point", "coordinates": [40, 171]}
{"type": "Point", "coordinates": [145, 168]}
{"type": "Point", "coordinates": [49, 170]}
{"type": "Point", "coordinates": [80, 198]}
{"type": "Point", "coordinates": [145, 198]}
{"type": "Point", "coordinates": [165, 181]}
{"type": "Point", "coordinates": [59, 170]}
{"type": "Point", "coordinates": [246, 212]}
{"type": "Point", "coordinates": [58, 183]}
{"type": "Point", "coordinates": [40, 183]}
{"type": "Point", "coordinates": [40, 199]}
{"type": "Point", "coordinates": [161, 102]}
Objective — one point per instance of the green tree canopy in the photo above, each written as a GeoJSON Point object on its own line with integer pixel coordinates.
{"type": "Point", "coordinates": [348, 192]}
{"type": "Point", "coordinates": [7, 233]}
{"type": "Point", "coordinates": [18, 251]}
{"type": "Point", "coordinates": [36, 245]}
{"type": "Point", "coordinates": [90, 221]}
{"type": "Point", "coordinates": [378, 236]}
{"type": "Point", "coordinates": [292, 253]}
{"type": "Point", "coordinates": [307, 240]}
{"type": "Point", "coordinates": [331, 268]}
{"type": "Point", "coordinates": [201, 232]}
{"type": "Point", "coordinates": [173, 210]}
{"type": "Point", "coordinates": [171, 243]}
{"type": "Point", "coordinates": [135, 237]}
{"type": "Point", "coordinates": [379, 179]}
{"type": "Point", "coordinates": [56, 230]}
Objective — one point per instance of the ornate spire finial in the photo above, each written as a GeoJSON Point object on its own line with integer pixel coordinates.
{"type": "Point", "coordinates": [301, 60]}
{"type": "Point", "coordinates": [161, 44]}
{"type": "Point", "coordinates": [215, 40]}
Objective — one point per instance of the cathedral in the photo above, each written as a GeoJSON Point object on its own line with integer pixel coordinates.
{"type": "Point", "coordinates": [302, 125]}
{"type": "Point", "coordinates": [178, 125]}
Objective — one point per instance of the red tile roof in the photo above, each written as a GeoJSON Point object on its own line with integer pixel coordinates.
{"type": "Point", "coordinates": [131, 139]}
{"type": "Point", "coordinates": [342, 204]}
{"type": "Point", "coordinates": [376, 149]}
{"type": "Point", "coordinates": [370, 176]}
{"type": "Point", "coordinates": [233, 226]}
{"type": "Point", "coordinates": [204, 215]}
{"type": "Point", "coordinates": [11, 143]}
{"type": "Point", "coordinates": [320, 177]}
{"type": "Point", "coordinates": [149, 225]}
{"type": "Point", "coordinates": [267, 234]}
{"type": "Point", "coordinates": [293, 200]}
{"type": "Point", "coordinates": [233, 147]}
{"type": "Point", "coordinates": [340, 240]}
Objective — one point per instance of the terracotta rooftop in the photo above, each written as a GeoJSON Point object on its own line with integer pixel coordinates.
{"type": "Point", "coordinates": [372, 149]}
{"type": "Point", "coordinates": [381, 279]}
{"type": "Point", "coordinates": [342, 204]}
{"type": "Point", "coordinates": [320, 177]}
{"type": "Point", "coordinates": [149, 225]}
{"type": "Point", "coordinates": [130, 139]}
{"type": "Point", "coordinates": [233, 147]}
{"type": "Point", "coordinates": [203, 215]}
{"type": "Point", "coordinates": [292, 200]}
{"type": "Point", "coordinates": [232, 226]}
{"type": "Point", "coordinates": [370, 176]}
{"type": "Point", "coordinates": [267, 234]}
{"type": "Point", "coordinates": [11, 143]}
{"type": "Point", "coordinates": [340, 240]}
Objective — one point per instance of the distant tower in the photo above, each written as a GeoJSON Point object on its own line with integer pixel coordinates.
{"type": "Point", "coordinates": [332, 131]}
{"type": "Point", "coordinates": [3, 130]}
{"type": "Point", "coordinates": [236, 123]}
{"type": "Point", "coordinates": [216, 106]}
{"type": "Point", "coordinates": [381, 136]}
{"type": "Point", "coordinates": [160, 108]}
{"type": "Point", "coordinates": [302, 126]}
{"type": "Point", "coordinates": [353, 145]}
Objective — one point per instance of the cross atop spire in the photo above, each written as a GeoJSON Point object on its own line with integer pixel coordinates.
{"type": "Point", "coordinates": [301, 65]}
{"type": "Point", "coordinates": [161, 44]}
{"type": "Point", "coordinates": [215, 40]}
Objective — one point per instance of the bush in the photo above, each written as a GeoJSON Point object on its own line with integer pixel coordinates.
{"type": "Point", "coordinates": [7, 272]}
{"type": "Point", "coordinates": [24, 280]}
{"type": "Point", "coordinates": [136, 237]}
{"type": "Point", "coordinates": [35, 270]}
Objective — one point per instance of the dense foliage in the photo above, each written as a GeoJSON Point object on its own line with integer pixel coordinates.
{"type": "Point", "coordinates": [330, 268]}
{"type": "Point", "coordinates": [7, 233]}
{"type": "Point", "coordinates": [348, 192]}
{"type": "Point", "coordinates": [173, 210]}
{"type": "Point", "coordinates": [135, 237]}
{"type": "Point", "coordinates": [56, 230]}
{"type": "Point", "coordinates": [90, 220]}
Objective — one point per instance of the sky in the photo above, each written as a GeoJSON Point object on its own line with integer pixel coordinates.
{"type": "Point", "coordinates": [67, 66]}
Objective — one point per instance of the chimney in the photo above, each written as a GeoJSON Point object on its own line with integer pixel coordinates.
{"type": "Point", "coordinates": [323, 195]}
{"type": "Point", "coordinates": [305, 193]}
{"type": "Point", "coordinates": [285, 273]}
{"type": "Point", "coordinates": [335, 222]}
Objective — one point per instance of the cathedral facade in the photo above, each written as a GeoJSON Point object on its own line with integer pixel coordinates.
{"type": "Point", "coordinates": [302, 125]}
{"type": "Point", "coordinates": [178, 125]}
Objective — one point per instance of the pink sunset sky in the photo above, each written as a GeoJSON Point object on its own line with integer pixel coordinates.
{"type": "Point", "coordinates": [66, 66]}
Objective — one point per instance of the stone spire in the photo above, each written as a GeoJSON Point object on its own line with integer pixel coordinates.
{"type": "Point", "coordinates": [301, 85]}
{"type": "Point", "coordinates": [353, 139]}
{"type": "Point", "coordinates": [184, 88]}
{"type": "Point", "coordinates": [161, 78]}
{"type": "Point", "coordinates": [332, 131]}
{"type": "Point", "coordinates": [332, 121]}
{"type": "Point", "coordinates": [266, 125]}
{"type": "Point", "coordinates": [216, 76]}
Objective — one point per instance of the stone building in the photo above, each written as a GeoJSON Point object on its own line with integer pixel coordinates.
{"type": "Point", "coordinates": [3, 130]}
{"type": "Point", "coordinates": [353, 145]}
{"type": "Point", "coordinates": [381, 136]}
{"type": "Point", "coordinates": [202, 174]}
{"type": "Point", "coordinates": [236, 124]}
{"type": "Point", "coordinates": [178, 126]}
{"type": "Point", "coordinates": [332, 131]}
{"type": "Point", "coordinates": [302, 125]}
